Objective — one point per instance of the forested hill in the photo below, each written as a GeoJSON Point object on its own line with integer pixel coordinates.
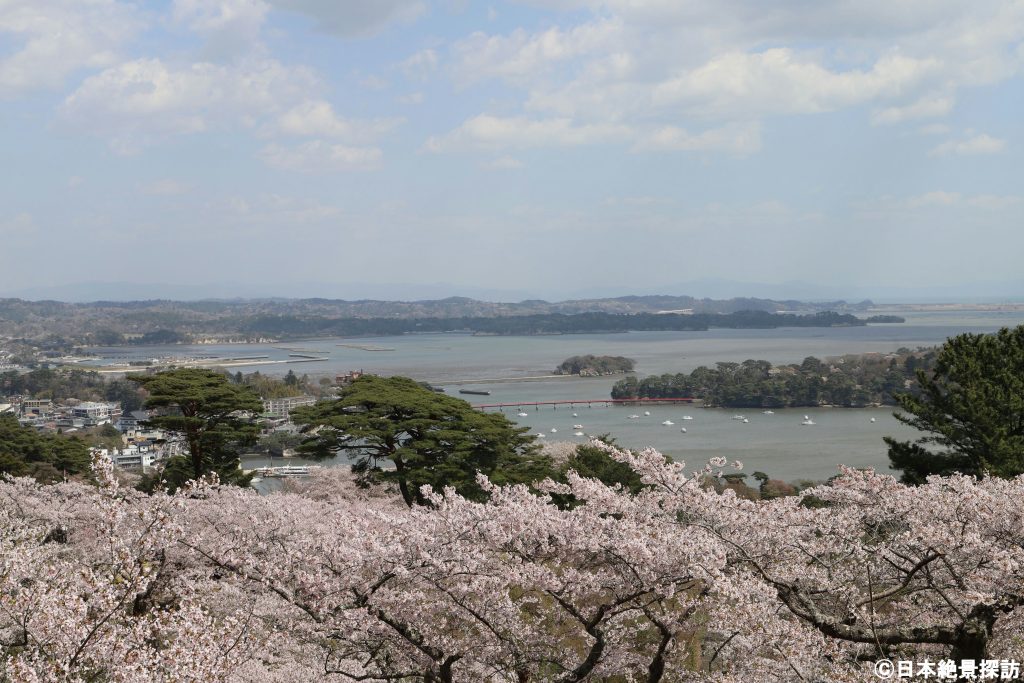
{"type": "Point", "coordinates": [113, 322]}
{"type": "Point", "coordinates": [851, 381]}
{"type": "Point", "coordinates": [264, 327]}
{"type": "Point", "coordinates": [551, 323]}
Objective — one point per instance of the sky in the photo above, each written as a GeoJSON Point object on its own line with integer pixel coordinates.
{"type": "Point", "coordinates": [551, 148]}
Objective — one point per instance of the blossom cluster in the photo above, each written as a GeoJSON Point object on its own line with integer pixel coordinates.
{"type": "Point", "coordinates": [679, 582]}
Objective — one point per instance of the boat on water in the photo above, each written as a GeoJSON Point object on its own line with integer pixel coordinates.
{"type": "Point", "coordinates": [668, 422]}
{"type": "Point", "coordinates": [647, 412]}
{"type": "Point", "coordinates": [872, 419]}
{"type": "Point", "coordinates": [687, 417]}
{"type": "Point", "coordinates": [553, 430]}
{"type": "Point", "coordinates": [575, 415]}
{"type": "Point", "coordinates": [745, 421]}
{"type": "Point", "coordinates": [522, 414]}
{"type": "Point", "coordinates": [682, 429]}
{"type": "Point", "coordinates": [474, 392]}
{"type": "Point", "coordinates": [577, 434]}
{"type": "Point", "coordinates": [541, 435]}
{"type": "Point", "coordinates": [767, 412]}
{"type": "Point", "coordinates": [577, 426]}
{"type": "Point", "coordinates": [287, 471]}
{"type": "Point", "coordinates": [738, 417]}
{"type": "Point", "coordinates": [634, 417]}
{"type": "Point", "coordinates": [808, 421]}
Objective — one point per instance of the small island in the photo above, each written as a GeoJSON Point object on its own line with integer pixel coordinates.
{"type": "Point", "coordinates": [595, 366]}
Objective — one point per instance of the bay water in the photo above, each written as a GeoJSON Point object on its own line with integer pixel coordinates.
{"type": "Point", "coordinates": [519, 369]}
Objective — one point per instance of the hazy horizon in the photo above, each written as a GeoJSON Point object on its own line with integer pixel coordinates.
{"type": "Point", "coordinates": [539, 149]}
{"type": "Point", "coordinates": [124, 291]}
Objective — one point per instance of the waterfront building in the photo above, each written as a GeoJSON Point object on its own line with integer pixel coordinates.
{"type": "Point", "coordinates": [278, 408]}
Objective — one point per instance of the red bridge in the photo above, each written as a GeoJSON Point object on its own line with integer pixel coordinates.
{"type": "Point", "coordinates": [587, 402]}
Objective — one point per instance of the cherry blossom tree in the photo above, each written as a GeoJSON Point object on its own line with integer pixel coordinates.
{"type": "Point", "coordinates": [679, 581]}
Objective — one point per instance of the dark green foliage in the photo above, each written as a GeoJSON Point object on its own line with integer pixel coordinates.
{"type": "Point", "coordinates": [595, 463]}
{"type": "Point", "coordinates": [544, 323]}
{"type": "Point", "coordinates": [395, 430]}
{"type": "Point", "coordinates": [26, 452]}
{"type": "Point", "coordinates": [595, 365]}
{"type": "Point", "coordinates": [971, 408]}
{"type": "Point", "coordinates": [209, 411]}
{"type": "Point", "coordinates": [854, 380]}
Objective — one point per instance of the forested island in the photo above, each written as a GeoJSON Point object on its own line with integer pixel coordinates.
{"type": "Point", "coordinates": [595, 366]}
{"type": "Point", "coordinates": [63, 325]}
{"type": "Point", "coordinates": [849, 381]}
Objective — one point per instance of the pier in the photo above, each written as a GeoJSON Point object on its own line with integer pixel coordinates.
{"type": "Point", "coordinates": [572, 403]}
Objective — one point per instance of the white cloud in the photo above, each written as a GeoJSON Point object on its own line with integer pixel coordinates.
{"type": "Point", "coordinates": [504, 163]}
{"type": "Point", "coordinates": [974, 144]}
{"type": "Point", "coordinates": [659, 65]}
{"type": "Point", "coordinates": [317, 156]}
{"type": "Point", "coordinates": [143, 101]}
{"type": "Point", "coordinates": [230, 26]}
{"type": "Point", "coordinates": [943, 199]}
{"type": "Point", "coordinates": [350, 18]}
{"type": "Point", "coordinates": [20, 224]}
{"type": "Point", "coordinates": [411, 98]}
{"type": "Point", "coordinates": [316, 118]}
{"type": "Point", "coordinates": [271, 211]}
{"type": "Point", "coordinates": [521, 55]}
{"type": "Point", "coordinates": [932, 106]}
{"type": "Point", "coordinates": [373, 82]}
{"type": "Point", "coordinates": [58, 38]}
{"type": "Point", "coordinates": [736, 138]}
{"type": "Point", "coordinates": [420, 65]}
{"type": "Point", "coordinates": [495, 132]}
{"type": "Point", "coordinates": [781, 81]}
{"type": "Point", "coordinates": [166, 187]}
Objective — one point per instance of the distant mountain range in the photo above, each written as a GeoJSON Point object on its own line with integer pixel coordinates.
{"type": "Point", "coordinates": [705, 288]}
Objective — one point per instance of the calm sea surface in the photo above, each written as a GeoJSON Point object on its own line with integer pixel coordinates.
{"type": "Point", "coordinates": [776, 444]}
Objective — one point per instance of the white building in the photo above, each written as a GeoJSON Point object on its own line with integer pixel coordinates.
{"type": "Point", "coordinates": [91, 413]}
{"type": "Point", "coordinates": [281, 407]}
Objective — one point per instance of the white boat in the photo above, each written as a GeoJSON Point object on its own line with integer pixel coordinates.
{"type": "Point", "coordinates": [682, 429]}
{"type": "Point", "coordinates": [746, 421]}
{"type": "Point", "coordinates": [522, 414]}
{"type": "Point", "coordinates": [633, 417]}
{"type": "Point", "coordinates": [647, 412]}
{"type": "Point", "coordinates": [687, 417]}
{"type": "Point", "coordinates": [575, 415]}
{"type": "Point", "coordinates": [668, 422]}
{"type": "Point", "coordinates": [577, 426]}
{"type": "Point", "coordinates": [287, 471]}
{"type": "Point", "coordinates": [807, 422]}
{"type": "Point", "coordinates": [738, 417]}
{"type": "Point", "coordinates": [541, 435]}
{"type": "Point", "coordinates": [807, 417]}
{"type": "Point", "coordinates": [577, 434]}
{"type": "Point", "coordinates": [872, 419]}
{"type": "Point", "coordinates": [553, 430]}
{"type": "Point", "coordinates": [767, 412]}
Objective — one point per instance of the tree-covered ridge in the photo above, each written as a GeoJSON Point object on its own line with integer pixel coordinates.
{"type": "Point", "coordinates": [594, 366]}
{"type": "Point", "coordinates": [552, 323]}
{"type": "Point", "coordinates": [851, 381]}
{"type": "Point", "coordinates": [109, 323]}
